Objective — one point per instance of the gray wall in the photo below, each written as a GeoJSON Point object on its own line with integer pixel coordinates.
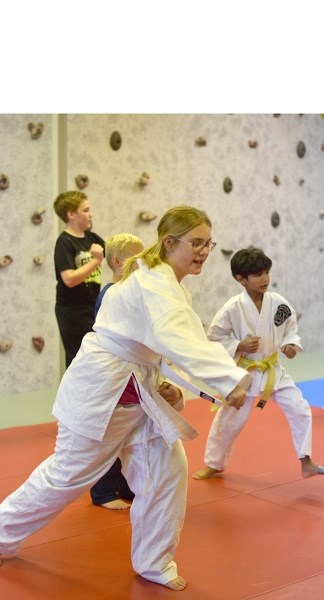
{"type": "Point", "coordinates": [27, 291]}
{"type": "Point", "coordinates": [180, 172]}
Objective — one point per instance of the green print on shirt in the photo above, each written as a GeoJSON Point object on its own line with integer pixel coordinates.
{"type": "Point", "coordinates": [83, 258]}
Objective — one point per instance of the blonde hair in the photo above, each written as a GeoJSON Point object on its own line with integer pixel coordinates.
{"type": "Point", "coordinates": [68, 201]}
{"type": "Point", "coordinates": [116, 244]}
{"type": "Point", "coordinates": [176, 222]}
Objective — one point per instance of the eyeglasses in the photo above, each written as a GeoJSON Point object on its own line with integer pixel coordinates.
{"type": "Point", "coordinates": [198, 246]}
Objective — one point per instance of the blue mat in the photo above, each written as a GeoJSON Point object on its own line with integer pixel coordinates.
{"type": "Point", "coordinates": [313, 391]}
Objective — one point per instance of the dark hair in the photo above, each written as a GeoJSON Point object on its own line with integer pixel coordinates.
{"type": "Point", "coordinates": [250, 261]}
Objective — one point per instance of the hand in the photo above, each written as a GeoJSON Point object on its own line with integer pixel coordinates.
{"type": "Point", "coordinates": [170, 393]}
{"type": "Point", "coordinates": [97, 252]}
{"type": "Point", "coordinates": [249, 345]}
{"type": "Point", "coordinates": [237, 397]}
{"type": "Point", "coordinates": [289, 350]}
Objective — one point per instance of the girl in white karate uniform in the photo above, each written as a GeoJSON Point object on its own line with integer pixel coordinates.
{"type": "Point", "coordinates": [144, 317]}
{"type": "Point", "coordinates": [253, 327]}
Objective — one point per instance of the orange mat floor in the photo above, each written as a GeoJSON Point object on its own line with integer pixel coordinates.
{"type": "Point", "coordinates": [255, 532]}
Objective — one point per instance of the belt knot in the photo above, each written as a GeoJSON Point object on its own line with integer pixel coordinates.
{"type": "Point", "coordinates": [266, 364]}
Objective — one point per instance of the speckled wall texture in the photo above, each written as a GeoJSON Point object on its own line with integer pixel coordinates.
{"type": "Point", "coordinates": [27, 291]}
{"type": "Point", "coordinates": [180, 171]}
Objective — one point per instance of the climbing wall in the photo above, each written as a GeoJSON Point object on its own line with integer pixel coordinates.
{"type": "Point", "coordinates": [259, 177]}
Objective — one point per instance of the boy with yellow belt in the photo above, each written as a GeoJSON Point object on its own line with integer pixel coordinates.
{"type": "Point", "coordinates": [254, 327]}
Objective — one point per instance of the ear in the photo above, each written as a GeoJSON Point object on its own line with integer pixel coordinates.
{"type": "Point", "coordinates": [240, 279]}
{"type": "Point", "coordinates": [168, 242]}
{"type": "Point", "coordinates": [70, 214]}
{"type": "Point", "coordinates": [116, 262]}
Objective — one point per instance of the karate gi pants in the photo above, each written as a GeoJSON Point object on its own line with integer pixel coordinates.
{"type": "Point", "coordinates": [228, 422]}
{"type": "Point", "coordinates": [157, 474]}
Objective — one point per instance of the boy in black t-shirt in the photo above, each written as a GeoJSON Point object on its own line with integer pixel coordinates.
{"type": "Point", "coordinates": [77, 257]}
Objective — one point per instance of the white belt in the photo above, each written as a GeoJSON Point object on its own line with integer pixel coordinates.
{"type": "Point", "coordinates": [139, 354]}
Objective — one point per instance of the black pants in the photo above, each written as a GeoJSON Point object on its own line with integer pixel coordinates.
{"type": "Point", "coordinates": [74, 322]}
{"type": "Point", "coordinates": [111, 486]}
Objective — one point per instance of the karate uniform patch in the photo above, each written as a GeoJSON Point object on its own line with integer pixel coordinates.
{"type": "Point", "coordinates": [282, 314]}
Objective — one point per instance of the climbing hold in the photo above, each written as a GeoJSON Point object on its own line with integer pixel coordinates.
{"type": "Point", "coordinates": [82, 181]}
{"type": "Point", "coordinates": [5, 260]}
{"type": "Point", "coordinates": [144, 179]}
{"type": "Point", "coordinates": [227, 185]}
{"type": "Point", "coordinates": [275, 219]}
{"type": "Point", "coordinates": [115, 140]}
{"type": "Point", "coordinates": [36, 130]}
{"type": "Point", "coordinates": [301, 149]}
{"type": "Point", "coordinates": [4, 181]}
{"type": "Point", "coordinates": [146, 216]}
{"type": "Point", "coordinates": [39, 260]}
{"type": "Point", "coordinates": [37, 216]}
{"type": "Point", "coordinates": [38, 343]}
{"type": "Point", "coordinates": [5, 345]}
{"type": "Point", "coordinates": [200, 141]}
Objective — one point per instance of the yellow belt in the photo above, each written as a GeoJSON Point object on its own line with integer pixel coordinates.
{"type": "Point", "coordinates": [266, 364]}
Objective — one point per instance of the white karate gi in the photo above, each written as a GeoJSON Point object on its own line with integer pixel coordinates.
{"type": "Point", "coordinates": [236, 320]}
{"type": "Point", "coordinates": [152, 310]}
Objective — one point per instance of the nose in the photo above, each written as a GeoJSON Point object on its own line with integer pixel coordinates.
{"type": "Point", "coordinates": [205, 249]}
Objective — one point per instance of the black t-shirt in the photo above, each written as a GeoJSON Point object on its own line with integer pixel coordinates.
{"type": "Point", "coordinates": [71, 253]}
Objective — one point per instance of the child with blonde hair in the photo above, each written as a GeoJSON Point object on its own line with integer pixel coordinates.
{"type": "Point", "coordinates": [112, 490]}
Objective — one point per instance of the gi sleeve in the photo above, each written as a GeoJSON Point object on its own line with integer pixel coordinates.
{"type": "Point", "coordinates": [290, 335]}
{"type": "Point", "coordinates": [221, 330]}
{"type": "Point", "coordinates": [178, 335]}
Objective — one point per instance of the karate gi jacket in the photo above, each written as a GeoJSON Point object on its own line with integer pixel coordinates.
{"type": "Point", "coordinates": [275, 324]}
{"type": "Point", "coordinates": [152, 309]}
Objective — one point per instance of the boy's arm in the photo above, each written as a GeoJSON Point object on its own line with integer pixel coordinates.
{"type": "Point", "coordinates": [290, 350]}
{"type": "Point", "coordinates": [73, 277]}
{"type": "Point", "coordinates": [290, 335]}
{"type": "Point", "coordinates": [249, 345]}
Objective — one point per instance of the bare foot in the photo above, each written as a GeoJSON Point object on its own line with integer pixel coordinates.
{"type": "Point", "coordinates": [177, 584]}
{"type": "Point", "coordinates": [116, 504]}
{"type": "Point", "coordinates": [309, 469]}
{"type": "Point", "coordinates": [206, 473]}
